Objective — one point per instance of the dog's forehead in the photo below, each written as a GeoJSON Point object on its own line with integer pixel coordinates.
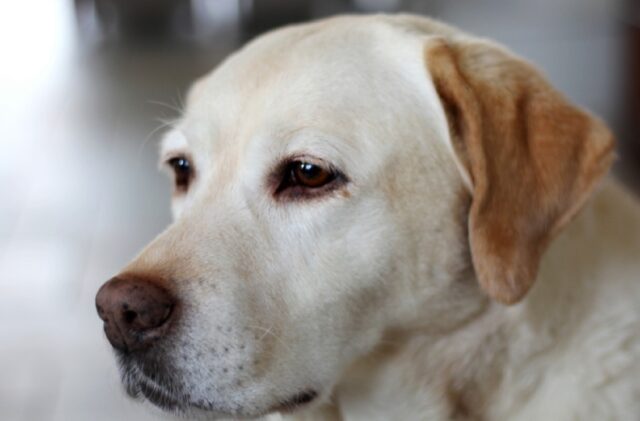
{"type": "Point", "coordinates": [324, 77]}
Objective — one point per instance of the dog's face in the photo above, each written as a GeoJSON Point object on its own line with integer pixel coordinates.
{"type": "Point", "coordinates": [320, 202]}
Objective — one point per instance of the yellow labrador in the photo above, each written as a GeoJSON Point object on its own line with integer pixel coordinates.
{"type": "Point", "coordinates": [378, 218]}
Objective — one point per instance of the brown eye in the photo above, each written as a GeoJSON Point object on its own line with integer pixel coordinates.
{"type": "Point", "coordinates": [310, 175]}
{"type": "Point", "coordinates": [182, 171]}
{"type": "Point", "coordinates": [300, 179]}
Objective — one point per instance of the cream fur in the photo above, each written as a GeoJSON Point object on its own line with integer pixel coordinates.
{"type": "Point", "coordinates": [369, 297]}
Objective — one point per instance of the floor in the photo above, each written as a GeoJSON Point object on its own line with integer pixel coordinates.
{"type": "Point", "coordinates": [81, 194]}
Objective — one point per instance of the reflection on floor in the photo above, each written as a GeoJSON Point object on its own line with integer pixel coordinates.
{"type": "Point", "coordinates": [81, 194]}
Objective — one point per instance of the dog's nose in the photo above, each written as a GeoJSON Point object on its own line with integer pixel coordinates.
{"type": "Point", "coordinates": [135, 311]}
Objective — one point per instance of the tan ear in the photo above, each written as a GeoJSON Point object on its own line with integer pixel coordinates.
{"type": "Point", "coordinates": [532, 157]}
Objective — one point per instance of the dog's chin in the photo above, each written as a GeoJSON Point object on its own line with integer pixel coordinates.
{"type": "Point", "coordinates": [163, 393]}
{"type": "Point", "coordinates": [155, 389]}
{"type": "Point", "coordinates": [157, 396]}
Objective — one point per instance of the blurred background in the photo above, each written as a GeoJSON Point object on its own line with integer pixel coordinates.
{"type": "Point", "coordinates": [86, 87]}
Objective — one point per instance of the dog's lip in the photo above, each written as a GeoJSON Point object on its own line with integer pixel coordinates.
{"type": "Point", "coordinates": [295, 401]}
{"type": "Point", "coordinates": [159, 397]}
{"type": "Point", "coordinates": [167, 402]}
{"type": "Point", "coordinates": [138, 383]}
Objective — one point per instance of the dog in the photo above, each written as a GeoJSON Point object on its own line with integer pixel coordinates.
{"type": "Point", "coordinates": [383, 217]}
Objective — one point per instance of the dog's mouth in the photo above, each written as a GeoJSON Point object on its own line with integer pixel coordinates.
{"type": "Point", "coordinates": [160, 390]}
{"type": "Point", "coordinates": [295, 402]}
{"type": "Point", "coordinates": [160, 397]}
{"type": "Point", "coordinates": [154, 388]}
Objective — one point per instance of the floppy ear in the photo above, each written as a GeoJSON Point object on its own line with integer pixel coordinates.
{"type": "Point", "coordinates": [530, 157]}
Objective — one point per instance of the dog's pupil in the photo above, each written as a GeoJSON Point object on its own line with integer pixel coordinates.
{"type": "Point", "coordinates": [310, 175]}
{"type": "Point", "coordinates": [310, 171]}
{"type": "Point", "coordinates": [182, 164]}
{"type": "Point", "coordinates": [182, 170]}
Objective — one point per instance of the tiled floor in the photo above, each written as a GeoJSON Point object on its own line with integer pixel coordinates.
{"type": "Point", "coordinates": [81, 194]}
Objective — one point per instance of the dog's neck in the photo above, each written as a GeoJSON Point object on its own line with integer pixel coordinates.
{"type": "Point", "coordinates": [462, 374]}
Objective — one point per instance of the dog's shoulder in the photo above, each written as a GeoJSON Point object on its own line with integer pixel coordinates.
{"type": "Point", "coordinates": [590, 367]}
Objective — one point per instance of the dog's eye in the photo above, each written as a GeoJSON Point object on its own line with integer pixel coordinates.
{"type": "Point", "coordinates": [183, 173]}
{"type": "Point", "coordinates": [303, 179]}
{"type": "Point", "coordinates": [310, 175]}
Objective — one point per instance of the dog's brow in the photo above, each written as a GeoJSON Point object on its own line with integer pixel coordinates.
{"type": "Point", "coordinates": [323, 144]}
{"type": "Point", "coordinates": [172, 142]}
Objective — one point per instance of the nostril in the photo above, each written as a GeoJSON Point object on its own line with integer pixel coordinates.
{"type": "Point", "coordinates": [129, 316]}
{"type": "Point", "coordinates": [135, 311]}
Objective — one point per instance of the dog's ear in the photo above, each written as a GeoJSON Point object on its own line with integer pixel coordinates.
{"type": "Point", "coordinates": [530, 157]}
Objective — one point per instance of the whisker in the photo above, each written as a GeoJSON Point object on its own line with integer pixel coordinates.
{"type": "Point", "coordinates": [268, 331]}
{"type": "Point", "coordinates": [175, 108]}
{"type": "Point", "coordinates": [180, 99]}
{"type": "Point", "coordinates": [164, 123]}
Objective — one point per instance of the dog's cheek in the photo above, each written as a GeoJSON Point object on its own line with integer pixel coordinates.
{"type": "Point", "coordinates": [346, 299]}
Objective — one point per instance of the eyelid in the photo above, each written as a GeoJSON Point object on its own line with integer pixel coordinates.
{"type": "Point", "coordinates": [164, 161]}
{"type": "Point", "coordinates": [172, 156]}
{"type": "Point", "coordinates": [311, 160]}
{"type": "Point", "coordinates": [279, 173]}
{"type": "Point", "coordinates": [280, 168]}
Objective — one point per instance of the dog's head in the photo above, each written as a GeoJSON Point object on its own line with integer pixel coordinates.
{"type": "Point", "coordinates": [333, 182]}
